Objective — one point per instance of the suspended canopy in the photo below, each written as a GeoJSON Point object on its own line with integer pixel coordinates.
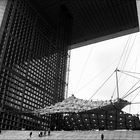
{"type": "Point", "coordinates": [75, 105]}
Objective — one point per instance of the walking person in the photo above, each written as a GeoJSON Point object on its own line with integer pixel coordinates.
{"type": "Point", "coordinates": [30, 134]}
{"type": "Point", "coordinates": [102, 136]}
{"type": "Point", "coordinates": [45, 133]}
{"type": "Point", "coordinates": [41, 134]}
{"type": "Point", "coordinates": [49, 131]}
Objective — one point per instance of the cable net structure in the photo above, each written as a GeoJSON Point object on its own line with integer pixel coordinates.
{"type": "Point", "coordinates": [79, 114]}
{"type": "Point", "coordinates": [75, 105]}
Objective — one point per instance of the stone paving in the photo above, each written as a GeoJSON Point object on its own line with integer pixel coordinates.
{"type": "Point", "coordinates": [72, 135]}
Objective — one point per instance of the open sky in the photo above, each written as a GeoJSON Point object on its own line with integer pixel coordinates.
{"type": "Point", "coordinates": [91, 65]}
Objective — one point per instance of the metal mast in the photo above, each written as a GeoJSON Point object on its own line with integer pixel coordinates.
{"type": "Point", "coordinates": [117, 83]}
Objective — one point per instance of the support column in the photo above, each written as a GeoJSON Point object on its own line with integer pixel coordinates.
{"type": "Point", "coordinates": [3, 4]}
{"type": "Point", "coordinates": [138, 10]}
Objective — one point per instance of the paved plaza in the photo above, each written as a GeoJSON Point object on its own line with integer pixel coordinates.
{"type": "Point", "coordinates": [72, 135]}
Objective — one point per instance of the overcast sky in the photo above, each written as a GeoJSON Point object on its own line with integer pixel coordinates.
{"type": "Point", "coordinates": [91, 65]}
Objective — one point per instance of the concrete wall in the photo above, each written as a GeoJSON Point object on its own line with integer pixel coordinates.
{"type": "Point", "coordinates": [138, 9]}
{"type": "Point", "coordinates": [3, 4]}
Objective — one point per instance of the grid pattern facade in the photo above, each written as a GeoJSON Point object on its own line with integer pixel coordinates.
{"type": "Point", "coordinates": [33, 60]}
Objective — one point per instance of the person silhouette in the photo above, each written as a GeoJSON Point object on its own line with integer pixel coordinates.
{"type": "Point", "coordinates": [49, 131]}
{"type": "Point", "coordinates": [45, 133]}
{"type": "Point", "coordinates": [102, 136]}
{"type": "Point", "coordinates": [30, 134]}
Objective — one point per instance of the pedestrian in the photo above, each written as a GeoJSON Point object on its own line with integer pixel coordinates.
{"type": "Point", "coordinates": [41, 134]}
{"type": "Point", "coordinates": [30, 134]}
{"type": "Point", "coordinates": [45, 133]}
{"type": "Point", "coordinates": [49, 131]}
{"type": "Point", "coordinates": [102, 137]}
